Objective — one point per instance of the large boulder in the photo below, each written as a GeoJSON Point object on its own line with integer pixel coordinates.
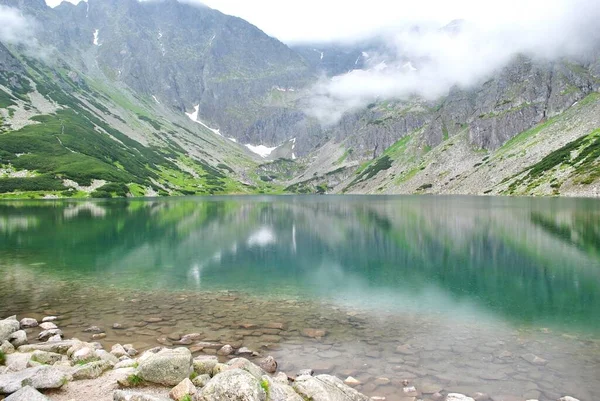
{"type": "Point", "coordinates": [91, 370]}
{"type": "Point", "coordinates": [27, 393]}
{"type": "Point", "coordinates": [7, 327]}
{"type": "Point", "coordinates": [167, 366]}
{"type": "Point", "coordinates": [120, 395]}
{"type": "Point", "coordinates": [233, 385]}
{"type": "Point", "coordinates": [41, 377]}
{"type": "Point", "coordinates": [326, 388]}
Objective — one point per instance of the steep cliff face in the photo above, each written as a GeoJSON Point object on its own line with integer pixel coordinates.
{"type": "Point", "coordinates": [184, 56]}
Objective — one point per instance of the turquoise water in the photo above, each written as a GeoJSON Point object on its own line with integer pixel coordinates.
{"type": "Point", "coordinates": [519, 264]}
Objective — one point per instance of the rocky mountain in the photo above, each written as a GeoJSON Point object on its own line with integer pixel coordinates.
{"type": "Point", "coordinates": [121, 97]}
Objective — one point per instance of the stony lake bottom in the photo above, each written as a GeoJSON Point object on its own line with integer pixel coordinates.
{"type": "Point", "coordinates": [465, 294]}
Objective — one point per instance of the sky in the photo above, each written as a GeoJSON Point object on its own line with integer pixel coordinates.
{"type": "Point", "coordinates": [325, 20]}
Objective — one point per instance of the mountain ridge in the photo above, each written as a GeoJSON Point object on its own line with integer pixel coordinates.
{"type": "Point", "coordinates": [140, 79]}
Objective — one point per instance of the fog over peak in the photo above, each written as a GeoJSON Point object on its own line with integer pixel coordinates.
{"type": "Point", "coordinates": [429, 60]}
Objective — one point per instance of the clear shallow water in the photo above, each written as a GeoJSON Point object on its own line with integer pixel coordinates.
{"type": "Point", "coordinates": [467, 287]}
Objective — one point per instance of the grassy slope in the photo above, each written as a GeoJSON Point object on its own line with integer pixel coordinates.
{"type": "Point", "coordinates": [77, 142]}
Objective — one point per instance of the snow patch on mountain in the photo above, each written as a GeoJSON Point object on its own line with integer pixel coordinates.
{"type": "Point", "coordinates": [280, 89]}
{"type": "Point", "coordinates": [194, 117]}
{"type": "Point", "coordinates": [261, 150]}
{"type": "Point", "coordinates": [97, 38]}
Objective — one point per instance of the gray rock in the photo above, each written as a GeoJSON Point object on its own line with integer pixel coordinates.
{"type": "Point", "coordinates": [7, 347]}
{"type": "Point", "coordinates": [118, 350]}
{"type": "Point", "coordinates": [27, 393]}
{"type": "Point", "coordinates": [91, 370]}
{"type": "Point", "coordinates": [122, 375]}
{"type": "Point", "coordinates": [280, 391]}
{"type": "Point", "coordinates": [54, 338]}
{"type": "Point", "coordinates": [106, 356]}
{"type": "Point", "coordinates": [18, 338]}
{"type": "Point", "coordinates": [305, 372]}
{"type": "Point", "coordinates": [126, 363]}
{"type": "Point", "coordinates": [49, 319]}
{"type": "Point", "coordinates": [168, 366]}
{"type": "Point", "coordinates": [568, 398]}
{"type": "Point", "coordinates": [46, 334]}
{"type": "Point", "coordinates": [17, 361]}
{"type": "Point", "coordinates": [27, 323]}
{"type": "Point", "coordinates": [48, 326]}
{"type": "Point", "coordinates": [7, 327]}
{"type": "Point", "coordinates": [93, 329]}
{"type": "Point", "coordinates": [326, 388]}
{"type": "Point", "coordinates": [84, 353]}
{"type": "Point", "coordinates": [281, 378]}
{"type": "Point", "coordinates": [42, 377]}
{"type": "Point", "coordinates": [130, 350]}
{"type": "Point", "coordinates": [220, 368]}
{"type": "Point", "coordinates": [244, 364]}
{"type": "Point", "coordinates": [244, 351]}
{"type": "Point", "coordinates": [60, 347]}
{"type": "Point", "coordinates": [233, 385]}
{"type": "Point", "coordinates": [183, 389]}
{"type": "Point", "coordinates": [204, 364]}
{"type": "Point", "coordinates": [268, 364]}
{"type": "Point", "coordinates": [225, 350]}
{"type": "Point", "coordinates": [201, 380]}
{"type": "Point", "coordinates": [120, 395]}
{"type": "Point", "coordinates": [46, 358]}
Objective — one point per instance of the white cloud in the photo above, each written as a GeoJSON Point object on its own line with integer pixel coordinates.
{"type": "Point", "coordinates": [444, 59]}
{"type": "Point", "coordinates": [14, 27]}
{"type": "Point", "coordinates": [19, 29]}
{"type": "Point", "coordinates": [54, 3]}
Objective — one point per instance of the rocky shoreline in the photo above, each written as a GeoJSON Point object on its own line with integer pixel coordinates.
{"type": "Point", "coordinates": [51, 368]}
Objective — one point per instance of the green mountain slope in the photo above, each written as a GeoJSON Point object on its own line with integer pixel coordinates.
{"type": "Point", "coordinates": [66, 134]}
